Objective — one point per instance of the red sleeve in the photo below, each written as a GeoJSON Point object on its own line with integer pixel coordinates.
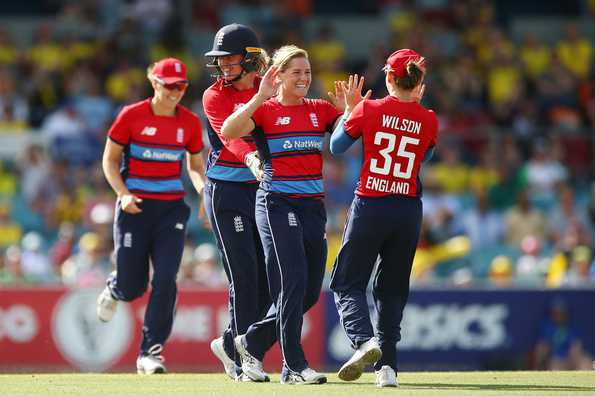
{"type": "Point", "coordinates": [355, 123]}
{"type": "Point", "coordinates": [119, 132]}
{"type": "Point", "coordinates": [195, 143]}
{"type": "Point", "coordinates": [217, 108]}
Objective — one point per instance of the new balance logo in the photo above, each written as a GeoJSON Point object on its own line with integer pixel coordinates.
{"type": "Point", "coordinates": [238, 224]}
{"type": "Point", "coordinates": [291, 219]}
{"type": "Point", "coordinates": [283, 121]}
{"type": "Point", "coordinates": [149, 131]}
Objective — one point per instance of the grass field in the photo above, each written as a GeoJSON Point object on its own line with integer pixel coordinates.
{"type": "Point", "coordinates": [437, 383]}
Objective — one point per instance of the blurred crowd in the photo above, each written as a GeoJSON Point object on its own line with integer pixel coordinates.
{"type": "Point", "coordinates": [509, 198]}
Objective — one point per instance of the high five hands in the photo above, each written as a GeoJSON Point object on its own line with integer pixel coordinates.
{"type": "Point", "coordinates": [352, 91]}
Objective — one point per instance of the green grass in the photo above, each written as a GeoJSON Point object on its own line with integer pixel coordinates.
{"type": "Point", "coordinates": [438, 383]}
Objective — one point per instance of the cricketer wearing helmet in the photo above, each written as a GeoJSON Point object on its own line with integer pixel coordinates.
{"type": "Point", "coordinates": [230, 192]}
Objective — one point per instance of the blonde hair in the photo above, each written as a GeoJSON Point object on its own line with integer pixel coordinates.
{"type": "Point", "coordinates": [286, 53]}
{"type": "Point", "coordinates": [150, 70]}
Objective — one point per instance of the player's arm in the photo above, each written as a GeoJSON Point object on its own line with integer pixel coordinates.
{"type": "Point", "coordinates": [340, 140]}
{"type": "Point", "coordinates": [112, 155]}
{"type": "Point", "coordinates": [240, 123]}
{"type": "Point", "coordinates": [196, 169]}
{"type": "Point", "coordinates": [217, 108]}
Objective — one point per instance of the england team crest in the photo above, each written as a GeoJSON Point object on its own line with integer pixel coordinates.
{"type": "Point", "coordinates": [314, 120]}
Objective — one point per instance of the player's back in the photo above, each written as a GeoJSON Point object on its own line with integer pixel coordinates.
{"type": "Point", "coordinates": [396, 136]}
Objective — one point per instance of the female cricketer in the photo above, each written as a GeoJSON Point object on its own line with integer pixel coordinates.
{"type": "Point", "coordinates": [142, 162]}
{"type": "Point", "coordinates": [230, 191]}
{"type": "Point", "coordinates": [289, 131]}
{"type": "Point", "coordinates": [384, 220]}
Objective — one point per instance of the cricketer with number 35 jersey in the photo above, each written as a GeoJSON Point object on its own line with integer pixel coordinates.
{"type": "Point", "coordinates": [396, 136]}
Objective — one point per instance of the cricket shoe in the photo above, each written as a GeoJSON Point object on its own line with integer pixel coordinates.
{"type": "Point", "coordinates": [232, 370]}
{"type": "Point", "coordinates": [307, 376]}
{"type": "Point", "coordinates": [151, 362]}
{"type": "Point", "coordinates": [106, 303]}
{"type": "Point", "coordinates": [386, 377]}
{"type": "Point", "coordinates": [251, 366]}
{"type": "Point", "coordinates": [368, 353]}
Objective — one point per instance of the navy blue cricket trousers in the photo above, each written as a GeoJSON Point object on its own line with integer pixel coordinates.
{"type": "Point", "coordinates": [292, 231]}
{"type": "Point", "coordinates": [230, 208]}
{"type": "Point", "coordinates": [155, 235]}
{"type": "Point", "coordinates": [386, 230]}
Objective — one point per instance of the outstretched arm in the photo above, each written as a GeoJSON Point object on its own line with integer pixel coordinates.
{"type": "Point", "coordinates": [340, 140]}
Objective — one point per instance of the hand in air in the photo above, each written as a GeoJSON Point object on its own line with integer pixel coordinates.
{"type": "Point", "coordinates": [338, 98]}
{"type": "Point", "coordinates": [353, 91]}
{"type": "Point", "coordinates": [269, 84]}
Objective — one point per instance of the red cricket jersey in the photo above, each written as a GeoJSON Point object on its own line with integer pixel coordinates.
{"type": "Point", "coordinates": [154, 147]}
{"type": "Point", "coordinates": [226, 159]}
{"type": "Point", "coordinates": [396, 136]}
{"type": "Point", "coordinates": [293, 165]}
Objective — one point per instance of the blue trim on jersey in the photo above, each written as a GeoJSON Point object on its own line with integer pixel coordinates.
{"type": "Point", "coordinates": [227, 173]}
{"type": "Point", "coordinates": [297, 143]}
{"type": "Point", "coordinates": [297, 187]}
{"type": "Point", "coordinates": [155, 154]}
{"type": "Point", "coordinates": [154, 185]}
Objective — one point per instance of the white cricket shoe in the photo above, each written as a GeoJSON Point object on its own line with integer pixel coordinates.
{"type": "Point", "coordinates": [386, 377]}
{"type": "Point", "coordinates": [251, 366]}
{"type": "Point", "coordinates": [106, 305]}
{"type": "Point", "coordinates": [231, 369]}
{"type": "Point", "coordinates": [305, 377]}
{"type": "Point", "coordinates": [151, 363]}
{"type": "Point", "coordinates": [368, 353]}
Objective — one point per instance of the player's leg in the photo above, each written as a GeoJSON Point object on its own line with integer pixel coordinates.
{"type": "Point", "coordinates": [353, 267]}
{"type": "Point", "coordinates": [131, 253]}
{"type": "Point", "coordinates": [391, 282]}
{"type": "Point", "coordinates": [169, 234]}
{"type": "Point", "coordinates": [230, 208]}
{"type": "Point", "coordinates": [282, 239]}
{"type": "Point", "coordinates": [313, 216]}
{"type": "Point", "coordinates": [363, 236]}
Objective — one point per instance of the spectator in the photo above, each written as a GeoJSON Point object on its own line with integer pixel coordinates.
{"type": "Point", "coordinates": [560, 344]}
{"type": "Point", "coordinates": [532, 266]}
{"type": "Point", "coordinates": [523, 220]}
{"type": "Point", "coordinates": [483, 225]}
{"type": "Point", "coordinates": [576, 52]}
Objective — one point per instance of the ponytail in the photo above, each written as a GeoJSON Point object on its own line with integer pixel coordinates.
{"type": "Point", "coordinates": [413, 76]}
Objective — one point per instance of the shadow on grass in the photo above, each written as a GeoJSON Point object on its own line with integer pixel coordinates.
{"type": "Point", "coordinates": [496, 387]}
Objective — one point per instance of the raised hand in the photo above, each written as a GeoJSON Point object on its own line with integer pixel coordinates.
{"type": "Point", "coordinates": [353, 92]}
{"type": "Point", "coordinates": [338, 98]}
{"type": "Point", "coordinates": [269, 84]}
